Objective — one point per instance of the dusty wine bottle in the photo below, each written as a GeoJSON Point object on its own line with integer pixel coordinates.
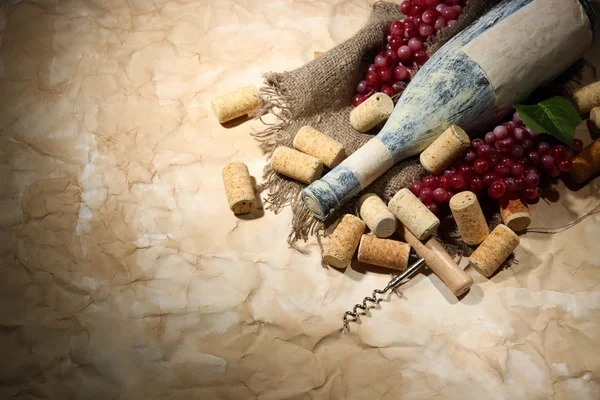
{"type": "Point", "coordinates": [472, 81]}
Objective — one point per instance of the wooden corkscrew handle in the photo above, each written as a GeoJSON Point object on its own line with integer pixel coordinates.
{"type": "Point", "coordinates": [439, 261]}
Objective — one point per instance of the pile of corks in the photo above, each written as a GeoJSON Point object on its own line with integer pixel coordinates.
{"type": "Point", "coordinates": [313, 150]}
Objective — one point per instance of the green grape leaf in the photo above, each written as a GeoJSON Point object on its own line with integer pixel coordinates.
{"type": "Point", "coordinates": [556, 116]}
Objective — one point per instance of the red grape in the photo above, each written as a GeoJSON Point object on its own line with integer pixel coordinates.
{"type": "Point", "coordinates": [516, 118]}
{"type": "Point", "coordinates": [449, 171]}
{"type": "Point", "coordinates": [466, 171]}
{"type": "Point", "coordinates": [391, 56]}
{"type": "Point", "coordinates": [510, 126]}
{"type": "Point", "coordinates": [543, 148]}
{"type": "Point", "coordinates": [531, 193]}
{"type": "Point", "coordinates": [431, 3]}
{"type": "Point", "coordinates": [517, 170]}
{"type": "Point", "coordinates": [372, 79]}
{"type": "Point", "coordinates": [476, 184]}
{"type": "Point", "coordinates": [416, 187]}
{"type": "Point", "coordinates": [565, 165]}
{"type": "Point", "coordinates": [470, 156]}
{"type": "Point", "coordinates": [387, 89]}
{"type": "Point", "coordinates": [415, 44]}
{"type": "Point", "coordinates": [397, 28]}
{"type": "Point", "coordinates": [449, 13]}
{"type": "Point", "coordinates": [444, 182]}
{"type": "Point", "coordinates": [490, 138]}
{"type": "Point", "coordinates": [506, 144]}
{"type": "Point", "coordinates": [400, 72]}
{"type": "Point", "coordinates": [480, 166]}
{"type": "Point", "coordinates": [425, 30]}
{"type": "Point", "coordinates": [363, 87]}
{"type": "Point", "coordinates": [440, 7]}
{"type": "Point", "coordinates": [429, 17]}
{"type": "Point", "coordinates": [548, 162]}
{"type": "Point", "coordinates": [404, 53]}
{"type": "Point", "coordinates": [533, 157]}
{"type": "Point", "coordinates": [527, 144]}
{"type": "Point", "coordinates": [519, 134]}
{"type": "Point", "coordinates": [577, 145]}
{"type": "Point", "coordinates": [440, 23]}
{"type": "Point", "coordinates": [511, 184]}
{"type": "Point", "coordinates": [517, 151]}
{"type": "Point", "coordinates": [409, 24]}
{"type": "Point", "coordinates": [406, 7]}
{"type": "Point", "coordinates": [458, 9]}
{"type": "Point", "coordinates": [532, 179]}
{"type": "Point", "coordinates": [372, 68]}
{"type": "Point", "coordinates": [489, 178]}
{"type": "Point", "coordinates": [519, 183]}
{"type": "Point", "coordinates": [502, 169]}
{"type": "Point", "coordinates": [497, 189]}
{"type": "Point", "coordinates": [500, 132]}
{"type": "Point", "coordinates": [559, 152]}
{"type": "Point", "coordinates": [485, 151]}
{"type": "Point", "coordinates": [395, 43]}
{"type": "Point", "coordinates": [357, 100]}
{"type": "Point", "coordinates": [431, 182]}
{"type": "Point", "coordinates": [421, 57]}
{"type": "Point", "coordinates": [476, 143]}
{"type": "Point", "coordinates": [457, 181]}
{"type": "Point", "coordinates": [433, 208]}
{"type": "Point", "coordinates": [425, 195]}
{"type": "Point", "coordinates": [384, 74]}
{"type": "Point", "coordinates": [417, 9]}
{"type": "Point", "coordinates": [451, 23]}
{"type": "Point", "coordinates": [398, 87]}
{"type": "Point", "coordinates": [439, 195]}
{"type": "Point", "coordinates": [381, 61]}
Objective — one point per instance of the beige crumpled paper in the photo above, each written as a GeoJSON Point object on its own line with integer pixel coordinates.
{"type": "Point", "coordinates": [124, 274]}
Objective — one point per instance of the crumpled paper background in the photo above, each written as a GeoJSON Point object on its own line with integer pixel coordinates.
{"type": "Point", "coordinates": [124, 274]}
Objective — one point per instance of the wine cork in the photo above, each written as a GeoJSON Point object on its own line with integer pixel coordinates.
{"type": "Point", "coordinates": [376, 215]}
{"type": "Point", "coordinates": [469, 218]}
{"type": "Point", "coordinates": [515, 214]}
{"type": "Point", "coordinates": [383, 252]}
{"type": "Point", "coordinates": [439, 261]}
{"type": "Point", "coordinates": [235, 104]}
{"type": "Point", "coordinates": [296, 165]}
{"type": "Point", "coordinates": [587, 98]}
{"type": "Point", "coordinates": [343, 241]}
{"type": "Point", "coordinates": [238, 188]}
{"type": "Point", "coordinates": [371, 112]}
{"type": "Point", "coordinates": [413, 214]}
{"type": "Point", "coordinates": [494, 250]}
{"type": "Point", "coordinates": [312, 142]}
{"type": "Point", "coordinates": [587, 163]}
{"type": "Point", "coordinates": [445, 149]}
{"type": "Point", "coordinates": [317, 54]}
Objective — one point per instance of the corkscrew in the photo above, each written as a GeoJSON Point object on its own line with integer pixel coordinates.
{"type": "Point", "coordinates": [393, 284]}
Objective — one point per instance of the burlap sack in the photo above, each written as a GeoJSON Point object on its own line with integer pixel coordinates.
{"type": "Point", "coordinates": [318, 94]}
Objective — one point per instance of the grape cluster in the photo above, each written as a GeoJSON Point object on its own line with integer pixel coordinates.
{"type": "Point", "coordinates": [508, 162]}
{"type": "Point", "coordinates": [405, 48]}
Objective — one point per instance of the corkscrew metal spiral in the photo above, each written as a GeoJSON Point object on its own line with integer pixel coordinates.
{"type": "Point", "coordinates": [393, 284]}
